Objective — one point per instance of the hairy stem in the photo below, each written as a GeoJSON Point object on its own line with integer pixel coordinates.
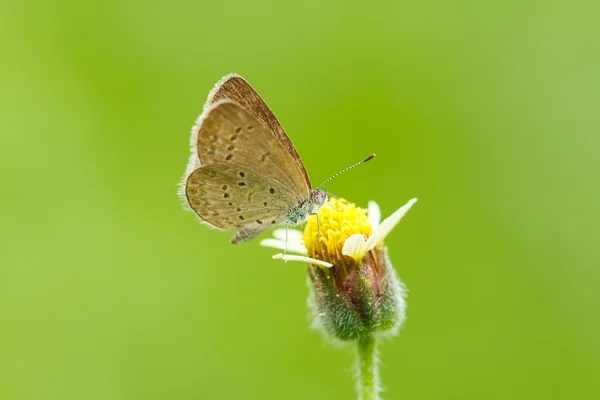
{"type": "Point", "coordinates": [368, 369]}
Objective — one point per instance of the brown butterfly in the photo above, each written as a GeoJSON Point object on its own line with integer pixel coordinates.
{"type": "Point", "coordinates": [244, 173]}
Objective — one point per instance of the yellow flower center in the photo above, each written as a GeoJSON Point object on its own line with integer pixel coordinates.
{"type": "Point", "coordinates": [325, 238]}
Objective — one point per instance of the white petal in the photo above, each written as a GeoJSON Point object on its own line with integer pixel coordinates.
{"type": "Point", "coordinates": [293, 234]}
{"type": "Point", "coordinates": [287, 257]}
{"type": "Point", "coordinates": [372, 241]}
{"type": "Point", "coordinates": [280, 244]}
{"type": "Point", "coordinates": [374, 215]}
{"type": "Point", "coordinates": [355, 246]}
{"type": "Point", "coordinates": [294, 237]}
{"type": "Point", "coordinates": [390, 222]}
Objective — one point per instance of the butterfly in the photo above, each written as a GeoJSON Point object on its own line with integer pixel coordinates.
{"type": "Point", "coordinates": [244, 173]}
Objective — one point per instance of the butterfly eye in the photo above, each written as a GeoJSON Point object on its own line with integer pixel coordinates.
{"type": "Point", "coordinates": [319, 197]}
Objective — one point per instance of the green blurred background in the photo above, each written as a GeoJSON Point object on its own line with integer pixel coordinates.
{"type": "Point", "coordinates": [488, 113]}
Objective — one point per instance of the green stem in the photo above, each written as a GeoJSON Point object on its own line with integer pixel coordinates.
{"type": "Point", "coordinates": [368, 369]}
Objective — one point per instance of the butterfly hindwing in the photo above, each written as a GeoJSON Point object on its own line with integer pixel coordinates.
{"type": "Point", "coordinates": [235, 197]}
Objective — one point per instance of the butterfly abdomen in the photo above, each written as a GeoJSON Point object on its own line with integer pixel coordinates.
{"type": "Point", "coordinates": [243, 235]}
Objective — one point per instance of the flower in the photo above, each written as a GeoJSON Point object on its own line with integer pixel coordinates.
{"type": "Point", "coordinates": [355, 290]}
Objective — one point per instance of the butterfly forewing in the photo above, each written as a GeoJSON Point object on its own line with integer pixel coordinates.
{"type": "Point", "coordinates": [230, 135]}
{"type": "Point", "coordinates": [236, 197]}
{"type": "Point", "coordinates": [235, 88]}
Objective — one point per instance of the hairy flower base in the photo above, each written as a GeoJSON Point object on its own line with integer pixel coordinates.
{"type": "Point", "coordinates": [368, 299]}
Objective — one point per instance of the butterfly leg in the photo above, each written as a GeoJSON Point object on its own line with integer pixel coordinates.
{"type": "Point", "coordinates": [318, 222]}
{"type": "Point", "coordinates": [286, 239]}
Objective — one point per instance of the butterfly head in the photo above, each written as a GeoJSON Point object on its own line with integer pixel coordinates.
{"type": "Point", "coordinates": [318, 198]}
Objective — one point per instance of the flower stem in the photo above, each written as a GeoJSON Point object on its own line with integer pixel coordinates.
{"type": "Point", "coordinates": [368, 369]}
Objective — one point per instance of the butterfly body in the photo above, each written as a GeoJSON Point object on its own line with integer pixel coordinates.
{"type": "Point", "coordinates": [298, 213]}
{"type": "Point", "coordinates": [244, 173]}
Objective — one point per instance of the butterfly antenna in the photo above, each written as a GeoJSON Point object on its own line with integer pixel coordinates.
{"type": "Point", "coordinates": [347, 169]}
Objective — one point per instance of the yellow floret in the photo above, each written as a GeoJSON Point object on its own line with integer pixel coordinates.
{"type": "Point", "coordinates": [337, 223]}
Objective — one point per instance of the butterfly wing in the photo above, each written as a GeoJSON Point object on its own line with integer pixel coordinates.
{"type": "Point", "coordinates": [237, 89]}
{"type": "Point", "coordinates": [236, 197]}
{"type": "Point", "coordinates": [228, 134]}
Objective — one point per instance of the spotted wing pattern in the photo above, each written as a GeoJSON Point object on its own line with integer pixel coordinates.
{"type": "Point", "coordinates": [228, 134]}
{"type": "Point", "coordinates": [237, 89]}
{"type": "Point", "coordinates": [236, 197]}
